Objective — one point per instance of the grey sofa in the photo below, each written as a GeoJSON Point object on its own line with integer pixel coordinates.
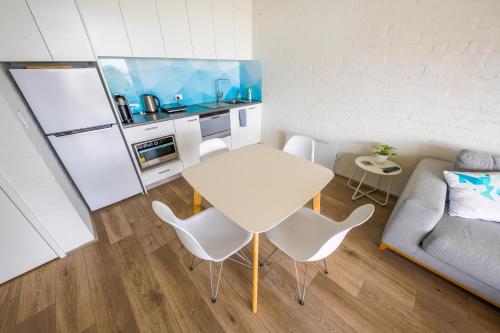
{"type": "Point", "coordinates": [465, 251]}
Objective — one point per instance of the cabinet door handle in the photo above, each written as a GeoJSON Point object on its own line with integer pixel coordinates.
{"type": "Point", "coordinates": [163, 171]}
{"type": "Point", "coordinates": [251, 108]}
{"type": "Point", "coordinates": [151, 128]}
{"type": "Point", "coordinates": [190, 120]}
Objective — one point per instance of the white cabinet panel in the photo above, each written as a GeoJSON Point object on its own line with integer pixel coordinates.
{"type": "Point", "coordinates": [228, 141]}
{"type": "Point", "coordinates": [250, 134]}
{"type": "Point", "coordinates": [143, 27]}
{"type": "Point", "coordinates": [238, 133]}
{"type": "Point", "coordinates": [224, 28]}
{"type": "Point", "coordinates": [175, 27]}
{"type": "Point", "coordinates": [188, 135]}
{"type": "Point", "coordinates": [243, 29]}
{"type": "Point", "coordinates": [105, 27]}
{"type": "Point", "coordinates": [202, 28]}
{"type": "Point", "coordinates": [254, 124]}
{"type": "Point", "coordinates": [161, 173]}
{"type": "Point", "coordinates": [21, 247]}
{"type": "Point", "coordinates": [62, 29]}
{"type": "Point", "coordinates": [150, 131]}
{"type": "Point", "coordinates": [20, 39]}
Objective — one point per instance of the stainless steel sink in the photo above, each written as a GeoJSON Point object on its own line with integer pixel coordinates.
{"type": "Point", "coordinates": [215, 105]}
{"type": "Point", "coordinates": [234, 102]}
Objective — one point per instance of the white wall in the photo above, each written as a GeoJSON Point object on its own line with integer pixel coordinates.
{"type": "Point", "coordinates": [422, 75]}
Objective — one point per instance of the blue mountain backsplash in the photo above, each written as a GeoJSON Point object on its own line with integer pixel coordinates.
{"type": "Point", "coordinates": [193, 78]}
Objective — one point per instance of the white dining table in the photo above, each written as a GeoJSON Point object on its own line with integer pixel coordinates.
{"type": "Point", "coordinates": [257, 187]}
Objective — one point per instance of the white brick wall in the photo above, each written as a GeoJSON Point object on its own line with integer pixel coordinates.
{"type": "Point", "coordinates": [423, 75]}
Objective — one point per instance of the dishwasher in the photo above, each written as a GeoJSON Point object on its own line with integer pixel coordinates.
{"type": "Point", "coordinates": [215, 124]}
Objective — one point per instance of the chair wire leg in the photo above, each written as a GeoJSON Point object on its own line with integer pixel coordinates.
{"type": "Point", "coordinates": [302, 293]}
{"type": "Point", "coordinates": [193, 265]}
{"type": "Point", "coordinates": [266, 262]}
{"type": "Point", "coordinates": [244, 255]}
{"type": "Point", "coordinates": [216, 290]}
{"type": "Point", "coordinates": [326, 267]}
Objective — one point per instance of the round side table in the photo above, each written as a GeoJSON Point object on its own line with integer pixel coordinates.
{"type": "Point", "coordinates": [368, 164]}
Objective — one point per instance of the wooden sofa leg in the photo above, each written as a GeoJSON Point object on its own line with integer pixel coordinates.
{"type": "Point", "coordinates": [383, 246]}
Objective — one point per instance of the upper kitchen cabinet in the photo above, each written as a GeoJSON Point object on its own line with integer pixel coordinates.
{"type": "Point", "coordinates": [105, 27]}
{"type": "Point", "coordinates": [202, 28]}
{"type": "Point", "coordinates": [20, 39]}
{"type": "Point", "coordinates": [62, 29]}
{"type": "Point", "coordinates": [243, 29]}
{"type": "Point", "coordinates": [175, 27]}
{"type": "Point", "coordinates": [224, 28]}
{"type": "Point", "coordinates": [143, 27]}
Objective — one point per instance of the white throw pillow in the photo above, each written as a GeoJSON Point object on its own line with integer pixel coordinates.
{"type": "Point", "coordinates": [474, 195]}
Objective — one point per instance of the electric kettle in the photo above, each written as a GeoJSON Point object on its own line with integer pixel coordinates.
{"type": "Point", "coordinates": [151, 102]}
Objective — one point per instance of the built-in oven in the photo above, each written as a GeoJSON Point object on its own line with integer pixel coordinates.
{"type": "Point", "coordinates": [215, 124]}
{"type": "Point", "coordinates": [154, 152]}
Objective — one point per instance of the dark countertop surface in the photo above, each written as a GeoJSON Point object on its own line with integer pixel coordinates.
{"type": "Point", "coordinates": [192, 110]}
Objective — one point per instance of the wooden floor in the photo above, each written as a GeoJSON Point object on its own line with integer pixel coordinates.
{"type": "Point", "coordinates": [136, 278]}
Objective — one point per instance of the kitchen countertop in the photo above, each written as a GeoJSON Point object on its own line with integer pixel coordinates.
{"type": "Point", "coordinates": [192, 110]}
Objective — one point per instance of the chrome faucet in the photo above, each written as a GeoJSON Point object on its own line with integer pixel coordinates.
{"type": "Point", "coordinates": [219, 92]}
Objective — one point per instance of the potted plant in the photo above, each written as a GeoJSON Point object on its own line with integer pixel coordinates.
{"type": "Point", "coordinates": [383, 152]}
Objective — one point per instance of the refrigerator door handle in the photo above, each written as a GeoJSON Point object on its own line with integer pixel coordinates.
{"type": "Point", "coordinates": [83, 130]}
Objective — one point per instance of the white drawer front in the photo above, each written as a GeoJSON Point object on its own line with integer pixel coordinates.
{"type": "Point", "coordinates": [150, 131]}
{"type": "Point", "coordinates": [161, 173]}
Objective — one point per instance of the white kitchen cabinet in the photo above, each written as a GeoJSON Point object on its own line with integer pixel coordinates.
{"type": "Point", "coordinates": [202, 28]}
{"type": "Point", "coordinates": [188, 136]}
{"type": "Point", "coordinates": [105, 27]}
{"type": "Point", "coordinates": [224, 28]}
{"type": "Point", "coordinates": [175, 27]}
{"type": "Point", "coordinates": [250, 134]}
{"type": "Point", "coordinates": [145, 132]}
{"type": "Point", "coordinates": [161, 174]}
{"type": "Point", "coordinates": [254, 113]}
{"type": "Point", "coordinates": [21, 247]}
{"type": "Point", "coordinates": [143, 27]}
{"type": "Point", "coordinates": [238, 133]}
{"type": "Point", "coordinates": [62, 29]}
{"type": "Point", "coordinates": [20, 39]}
{"type": "Point", "coordinates": [243, 29]}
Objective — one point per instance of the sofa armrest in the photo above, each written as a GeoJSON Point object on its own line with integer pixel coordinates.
{"type": "Point", "coordinates": [420, 206]}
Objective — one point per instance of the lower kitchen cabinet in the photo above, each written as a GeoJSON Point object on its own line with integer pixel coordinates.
{"type": "Point", "coordinates": [245, 135]}
{"type": "Point", "coordinates": [188, 135]}
{"type": "Point", "coordinates": [254, 115]}
{"type": "Point", "coordinates": [161, 173]}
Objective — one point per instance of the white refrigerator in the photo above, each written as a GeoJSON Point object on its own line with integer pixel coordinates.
{"type": "Point", "coordinates": [73, 110]}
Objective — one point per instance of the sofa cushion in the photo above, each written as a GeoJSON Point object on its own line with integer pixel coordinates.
{"type": "Point", "coordinates": [474, 195]}
{"type": "Point", "coordinates": [469, 160]}
{"type": "Point", "coordinates": [471, 246]}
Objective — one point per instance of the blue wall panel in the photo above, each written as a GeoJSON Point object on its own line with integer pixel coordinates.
{"type": "Point", "coordinates": [194, 79]}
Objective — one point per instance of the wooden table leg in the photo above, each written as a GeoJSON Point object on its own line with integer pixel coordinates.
{"type": "Point", "coordinates": [317, 203]}
{"type": "Point", "coordinates": [255, 271]}
{"type": "Point", "coordinates": [196, 201]}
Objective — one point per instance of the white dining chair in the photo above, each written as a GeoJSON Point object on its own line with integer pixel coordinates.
{"type": "Point", "coordinates": [209, 236]}
{"type": "Point", "coordinates": [300, 146]}
{"type": "Point", "coordinates": [308, 236]}
{"type": "Point", "coordinates": [212, 147]}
